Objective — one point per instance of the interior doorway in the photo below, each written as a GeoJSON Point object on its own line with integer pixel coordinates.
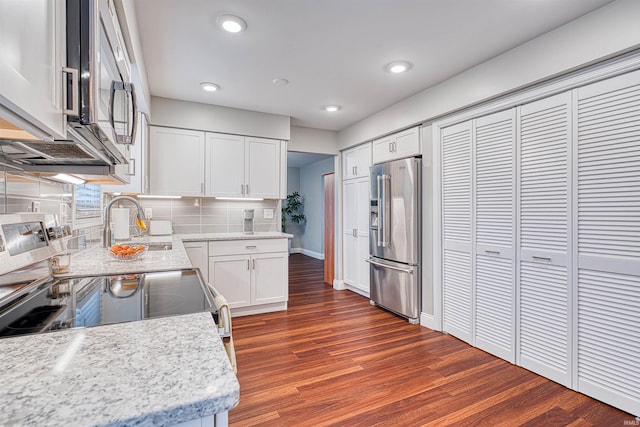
{"type": "Point", "coordinates": [329, 227]}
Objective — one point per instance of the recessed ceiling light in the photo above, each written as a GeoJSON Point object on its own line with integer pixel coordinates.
{"type": "Point", "coordinates": [232, 23]}
{"type": "Point", "coordinates": [398, 67]}
{"type": "Point", "coordinates": [209, 87]}
{"type": "Point", "coordinates": [280, 82]}
{"type": "Point", "coordinates": [331, 108]}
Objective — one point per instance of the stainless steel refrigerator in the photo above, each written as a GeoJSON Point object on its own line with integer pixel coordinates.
{"type": "Point", "coordinates": [395, 236]}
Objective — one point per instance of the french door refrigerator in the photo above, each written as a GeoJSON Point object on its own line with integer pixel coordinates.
{"type": "Point", "coordinates": [395, 236]}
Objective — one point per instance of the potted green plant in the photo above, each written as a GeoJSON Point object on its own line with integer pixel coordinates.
{"type": "Point", "coordinates": [292, 209]}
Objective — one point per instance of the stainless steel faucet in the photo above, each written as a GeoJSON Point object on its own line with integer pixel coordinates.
{"type": "Point", "coordinates": [106, 237]}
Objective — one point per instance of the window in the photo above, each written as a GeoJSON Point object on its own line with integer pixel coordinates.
{"type": "Point", "coordinates": [87, 205]}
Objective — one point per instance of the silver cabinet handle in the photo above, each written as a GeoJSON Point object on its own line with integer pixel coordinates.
{"type": "Point", "coordinates": [355, 168]}
{"type": "Point", "coordinates": [492, 252]}
{"type": "Point", "coordinates": [202, 188]}
{"type": "Point", "coordinates": [75, 92]}
{"type": "Point", "coordinates": [355, 232]}
{"type": "Point", "coordinates": [541, 258]}
{"type": "Point", "coordinates": [248, 267]}
{"type": "Point", "coordinates": [254, 263]}
{"type": "Point", "coordinates": [392, 267]}
{"type": "Point", "coordinates": [395, 147]}
{"type": "Point", "coordinates": [391, 147]}
{"type": "Point", "coordinates": [247, 192]}
{"type": "Point", "coordinates": [241, 188]}
{"type": "Point", "coordinates": [250, 246]}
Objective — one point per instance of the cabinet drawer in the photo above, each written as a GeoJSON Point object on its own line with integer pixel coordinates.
{"type": "Point", "coordinates": [229, 247]}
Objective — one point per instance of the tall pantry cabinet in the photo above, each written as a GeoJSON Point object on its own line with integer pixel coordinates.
{"type": "Point", "coordinates": [355, 196]}
{"type": "Point", "coordinates": [541, 237]}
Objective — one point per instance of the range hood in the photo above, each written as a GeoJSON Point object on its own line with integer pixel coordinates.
{"type": "Point", "coordinates": [78, 156]}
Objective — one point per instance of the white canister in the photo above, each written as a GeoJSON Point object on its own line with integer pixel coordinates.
{"type": "Point", "coordinates": [120, 223]}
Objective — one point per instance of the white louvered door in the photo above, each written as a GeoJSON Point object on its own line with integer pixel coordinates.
{"type": "Point", "coordinates": [457, 203]}
{"type": "Point", "coordinates": [545, 170]}
{"type": "Point", "coordinates": [495, 164]}
{"type": "Point", "coordinates": [608, 217]}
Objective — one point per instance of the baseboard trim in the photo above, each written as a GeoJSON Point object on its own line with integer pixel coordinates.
{"type": "Point", "coordinates": [358, 291]}
{"type": "Point", "coordinates": [296, 250]}
{"type": "Point", "coordinates": [339, 285]}
{"type": "Point", "coordinates": [428, 321]}
{"type": "Point", "coordinates": [312, 254]}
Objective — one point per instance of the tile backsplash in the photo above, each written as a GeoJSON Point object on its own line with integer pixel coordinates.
{"type": "Point", "coordinates": [200, 215]}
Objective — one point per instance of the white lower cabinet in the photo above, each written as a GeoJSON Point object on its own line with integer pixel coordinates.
{"type": "Point", "coordinates": [198, 253]}
{"type": "Point", "coordinates": [356, 235]}
{"type": "Point", "coordinates": [251, 274]}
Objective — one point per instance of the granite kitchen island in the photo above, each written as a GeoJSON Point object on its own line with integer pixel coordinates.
{"type": "Point", "coordinates": [156, 372]}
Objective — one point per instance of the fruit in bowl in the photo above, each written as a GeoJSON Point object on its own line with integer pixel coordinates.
{"type": "Point", "coordinates": [126, 251]}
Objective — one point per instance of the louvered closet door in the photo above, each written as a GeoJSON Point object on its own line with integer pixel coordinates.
{"type": "Point", "coordinates": [608, 272]}
{"type": "Point", "coordinates": [544, 237]}
{"type": "Point", "coordinates": [456, 189]}
{"type": "Point", "coordinates": [495, 234]}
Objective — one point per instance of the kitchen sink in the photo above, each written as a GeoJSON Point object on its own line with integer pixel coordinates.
{"type": "Point", "coordinates": [159, 246]}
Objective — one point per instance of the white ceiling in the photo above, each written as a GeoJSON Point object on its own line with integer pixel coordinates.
{"type": "Point", "coordinates": [331, 51]}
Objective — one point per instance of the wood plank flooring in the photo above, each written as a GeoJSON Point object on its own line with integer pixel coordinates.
{"type": "Point", "coordinates": [332, 359]}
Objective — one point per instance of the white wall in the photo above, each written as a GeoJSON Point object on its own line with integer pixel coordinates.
{"type": "Point", "coordinates": [312, 191]}
{"type": "Point", "coordinates": [213, 118]}
{"type": "Point", "coordinates": [308, 140]}
{"type": "Point", "coordinates": [606, 32]}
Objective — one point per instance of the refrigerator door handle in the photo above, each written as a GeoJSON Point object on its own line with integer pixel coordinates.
{"type": "Point", "coordinates": [392, 267]}
{"type": "Point", "coordinates": [381, 212]}
{"type": "Point", "coordinates": [384, 209]}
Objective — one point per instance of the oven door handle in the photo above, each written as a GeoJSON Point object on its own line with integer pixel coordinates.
{"type": "Point", "coordinates": [224, 325]}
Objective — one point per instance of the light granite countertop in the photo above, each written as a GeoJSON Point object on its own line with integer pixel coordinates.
{"type": "Point", "coordinates": [155, 372]}
{"type": "Point", "coordinates": [96, 261]}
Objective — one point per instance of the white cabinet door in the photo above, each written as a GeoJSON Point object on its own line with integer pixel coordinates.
{"type": "Point", "coordinates": [138, 175]}
{"type": "Point", "coordinates": [175, 162]}
{"type": "Point", "coordinates": [362, 266]}
{"type": "Point", "coordinates": [383, 149]}
{"type": "Point", "coordinates": [362, 201]}
{"type": "Point", "coordinates": [356, 161]}
{"type": "Point", "coordinates": [608, 240]}
{"type": "Point", "coordinates": [225, 159]}
{"type": "Point", "coordinates": [350, 259]}
{"type": "Point", "coordinates": [231, 276]}
{"type": "Point", "coordinates": [198, 253]}
{"type": "Point", "coordinates": [262, 170]}
{"type": "Point", "coordinates": [407, 143]}
{"type": "Point", "coordinates": [397, 146]}
{"type": "Point", "coordinates": [495, 210]}
{"type": "Point", "coordinates": [457, 265]}
{"type": "Point", "coordinates": [269, 278]}
{"type": "Point", "coordinates": [32, 49]}
{"type": "Point", "coordinates": [545, 190]}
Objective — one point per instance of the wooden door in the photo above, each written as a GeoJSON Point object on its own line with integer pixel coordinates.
{"type": "Point", "coordinates": [329, 227]}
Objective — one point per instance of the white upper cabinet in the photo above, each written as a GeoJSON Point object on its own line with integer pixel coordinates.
{"type": "Point", "coordinates": [193, 163]}
{"type": "Point", "coordinates": [397, 146]}
{"type": "Point", "coordinates": [238, 166]}
{"type": "Point", "coordinates": [32, 48]}
{"type": "Point", "coordinates": [356, 161]}
{"type": "Point", "coordinates": [176, 162]}
{"type": "Point", "coordinates": [138, 167]}
{"type": "Point", "coordinates": [224, 167]}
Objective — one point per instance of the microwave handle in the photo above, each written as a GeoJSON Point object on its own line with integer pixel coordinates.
{"type": "Point", "coordinates": [75, 96]}
{"type": "Point", "coordinates": [134, 112]}
{"type": "Point", "coordinates": [128, 88]}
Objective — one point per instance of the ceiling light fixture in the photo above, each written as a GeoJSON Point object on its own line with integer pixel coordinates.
{"type": "Point", "coordinates": [232, 23]}
{"type": "Point", "coordinates": [280, 82]}
{"type": "Point", "coordinates": [332, 108]}
{"type": "Point", "coordinates": [68, 178]}
{"type": "Point", "coordinates": [397, 67]}
{"type": "Point", "coordinates": [209, 87]}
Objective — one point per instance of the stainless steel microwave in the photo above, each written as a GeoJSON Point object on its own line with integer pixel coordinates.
{"type": "Point", "coordinates": [102, 95]}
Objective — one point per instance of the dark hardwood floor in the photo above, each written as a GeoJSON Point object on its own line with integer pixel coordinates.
{"type": "Point", "coordinates": [332, 359]}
